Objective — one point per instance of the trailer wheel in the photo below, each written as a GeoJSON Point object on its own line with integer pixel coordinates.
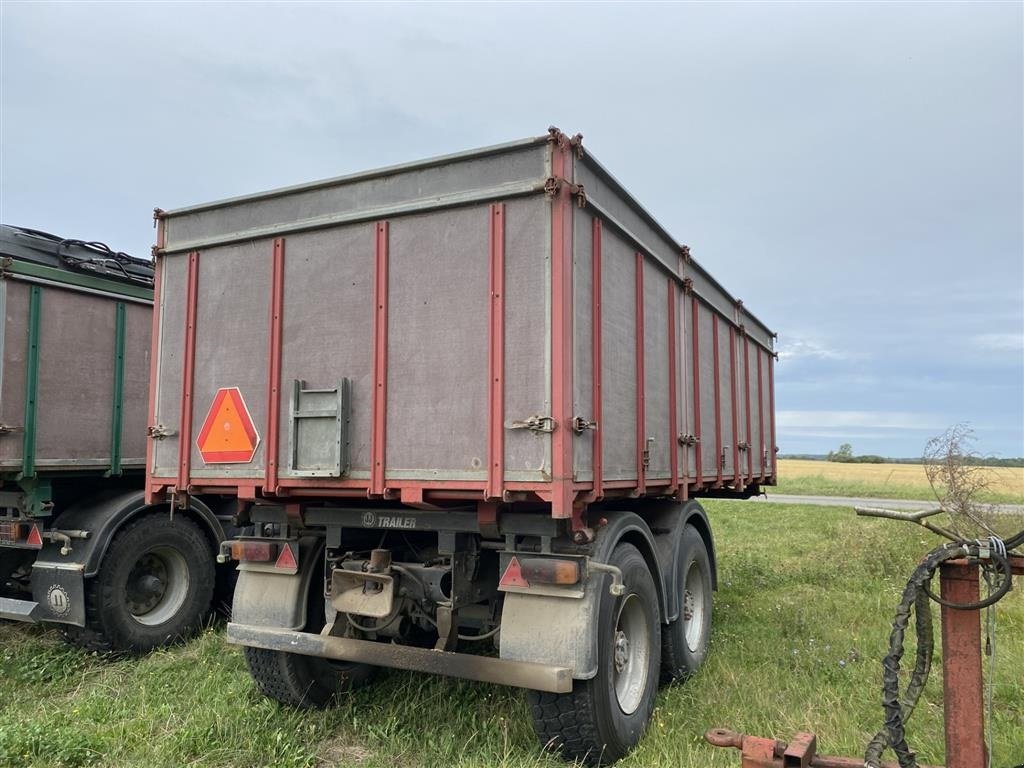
{"type": "Point", "coordinates": [154, 587]}
{"type": "Point", "coordinates": [305, 682]}
{"type": "Point", "coordinates": [603, 718]}
{"type": "Point", "coordinates": [685, 640]}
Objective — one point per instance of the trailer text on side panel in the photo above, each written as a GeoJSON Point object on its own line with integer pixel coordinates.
{"type": "Point", "coordinates": [79, 546]}
{"type": "Point", "coordinates": [461, 402]}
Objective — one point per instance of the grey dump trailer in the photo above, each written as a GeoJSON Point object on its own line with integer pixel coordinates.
{"type": "Point", "coordinates": [464, 404]}
{"type": "Point", "coordinates": [79, 546]}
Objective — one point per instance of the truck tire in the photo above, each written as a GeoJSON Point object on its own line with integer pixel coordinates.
{"type": "Point", "coordinates": [685, 640]}
{"type": "Point", "coordinates": [603, 718]}
{"type": "Point", "coordinates": [306, 682]}
{"type": "Point", "coordinates": [154, 587]}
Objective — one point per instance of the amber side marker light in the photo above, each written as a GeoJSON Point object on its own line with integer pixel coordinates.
{"type": "Point", "coordinates": [253, 551]}
{"type": "Point", "coordinates": [547, 570]}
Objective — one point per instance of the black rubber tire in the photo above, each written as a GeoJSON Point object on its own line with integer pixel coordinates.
{"type": "Point", "coordinates": [587, 724]}
{"type": "Point", "coordinates": [109, 624]}
{"type": "Point", "coordinates": [678, 660]}
{"type": "Point", "coordinates": [306, 682]}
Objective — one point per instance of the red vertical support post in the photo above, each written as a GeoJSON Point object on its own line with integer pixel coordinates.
{"type": "Point", "coordinates": [961, 668]}
{"type": "Point", "coordinates": [698, 458]}
{"type": "Point", "coordinates": [154, 359]}
{"type": "Point", "coordinates": [760, 417]}
{"type": "Point", "coordinates": [380, 361]}
{"type": "Point", "coordinates": [274, 366]}
{"type": "Point", "coordinates": [746, 386]}
{"type": "Point", "coordinates": [641, 417]}
{"type": "Point", "coordinates": [718, 400]}
{"type": "Point", "coordinates": [673, 388]}
{"type": "Point", "coordinates": [188, 373]}
{"type": "Point", "coordinates": [496, 356]}
{"type": "Point", "coordinates": [562, 492]}
{"type": "Point", "coordinates": [771, 412]}
{"type": "Point", "coordinates": [595, 356]}
{"type": "Point", "coordinates": [734, 400]}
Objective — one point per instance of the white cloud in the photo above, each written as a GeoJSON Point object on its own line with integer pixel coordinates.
{"type": "Point", "coordinates": [856, 419]}
{"type": "Point", "coordinates": [999, 342]}
{"type": "Point", "coordinates": [796, 348]}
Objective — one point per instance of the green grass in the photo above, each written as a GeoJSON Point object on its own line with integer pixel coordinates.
{"type": "Point", "coordinates": [802, 618]}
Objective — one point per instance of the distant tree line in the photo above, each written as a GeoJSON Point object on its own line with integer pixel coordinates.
{"type": "Point", "coordinates": [845, 455]}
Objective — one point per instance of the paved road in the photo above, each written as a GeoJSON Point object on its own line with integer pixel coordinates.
{"type": "Point", "coordinates": [849, 501]}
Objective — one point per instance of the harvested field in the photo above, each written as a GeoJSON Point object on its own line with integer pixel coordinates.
{"type": "Point", "coordinates": [893, 481]}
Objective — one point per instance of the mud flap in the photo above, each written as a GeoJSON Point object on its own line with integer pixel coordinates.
{"type": "Point", "coordinates": [60, 592]}
{"type": "Point", "coordinates": [562, 631]}
{"type": "Point", "coordinates": [268, 598]}
{"type": "Point", "coordinates": [555, 631]}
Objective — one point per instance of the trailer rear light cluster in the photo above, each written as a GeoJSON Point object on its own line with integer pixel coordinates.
{"type": "Point", "coordinates": [525, 571]}
{"type": "Point", "coordinates": [254, 551]}
{"type": "Point", "coordinates": [283, 555]}
{"type": "Point", "coordinates": [21, 533]}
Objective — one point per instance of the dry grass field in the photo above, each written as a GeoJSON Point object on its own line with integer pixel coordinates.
{"type": "Point", "coordinates": [894, 481]}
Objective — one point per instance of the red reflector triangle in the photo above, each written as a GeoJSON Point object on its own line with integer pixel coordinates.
{"type": "Point", "coordinates": [286, 559]}
{"type": "Point", "coordinates": [34, 539]}
{"type": "Point", "coordinates": [513, 576]}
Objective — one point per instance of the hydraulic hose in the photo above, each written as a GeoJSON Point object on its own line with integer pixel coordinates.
{"type": "Point", "coordinates": [915, 596]}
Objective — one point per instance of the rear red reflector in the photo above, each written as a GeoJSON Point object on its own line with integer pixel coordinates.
{"type": "Point", "coordinates": [513, 575]}
{"type": "Point", "coordinates": [34, 539]}
{"type": "Point", "coordinates": [253, 551]}
{"type": "Point", "coordinates": [287, 558]}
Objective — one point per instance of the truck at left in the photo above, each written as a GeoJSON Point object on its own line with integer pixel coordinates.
{"type": "Point", "coordinates": [79, 546]}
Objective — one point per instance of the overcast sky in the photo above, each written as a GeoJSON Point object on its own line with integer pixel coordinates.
{"type": "Point", "coordinates": [854, 172]}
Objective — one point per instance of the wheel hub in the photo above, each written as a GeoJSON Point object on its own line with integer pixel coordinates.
{"type": "Point", "coordinates": [157, 586]}
{"type": "Point", "coordinates": [631, 653]}
{"type": "Point", "coordinates": [621, 650]}
{"type": "Point", "coordinates": [147, 584]}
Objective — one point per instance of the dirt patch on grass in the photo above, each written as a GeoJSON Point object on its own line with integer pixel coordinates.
{"type": "Point", "coordinates": [341, 751]}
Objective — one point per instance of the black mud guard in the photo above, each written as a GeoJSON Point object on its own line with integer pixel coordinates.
{"type": "Point", "coordinates": [667, 519]}
{"type": "Point", "coordinates": [265, 597]}
{"type": "Point", "coordinates": [58, 580]}
{"type": "Point", "coordinates": [103, 515]}
{"type": "Point", "coordinates": [562, 631]}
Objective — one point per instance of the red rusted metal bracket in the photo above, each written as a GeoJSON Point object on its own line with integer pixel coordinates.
{"type": "Point", "coordinates": [801, 752]}
{"type": "Point", "coordinates": [961, 663]}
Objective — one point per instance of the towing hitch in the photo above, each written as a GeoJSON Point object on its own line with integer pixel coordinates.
{"type": "Point", "coordinates": [801, 752]}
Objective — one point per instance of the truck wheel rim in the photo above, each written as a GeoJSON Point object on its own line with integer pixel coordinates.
{"type": "Point", "coordinates": [693, 606]}
{"type": "Point", "coordinates": [631, 653]}
{"type": "Point", "coordinates": [157, 586]}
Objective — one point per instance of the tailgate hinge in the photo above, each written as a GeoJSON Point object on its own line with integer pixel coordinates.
{"type": "Point", "coordinates": [581, 425]}
{"type": "Point", "coordinates": [159, 432]}
{"type": "Point", "coordinates": [535, 423]}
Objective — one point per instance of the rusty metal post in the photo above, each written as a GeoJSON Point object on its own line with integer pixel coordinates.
{"type": "Point", "coordinates": [961, 668]}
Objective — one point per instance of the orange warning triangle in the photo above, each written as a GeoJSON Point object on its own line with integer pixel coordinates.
{"type": "Point", "coordinates": [228, 434]}
{"type": "Point", "coordinates": [34, 539]}
{"type": "Point", "coordinates": [286, 559]}
{"type": "Point", "coordinates": [513, 576]}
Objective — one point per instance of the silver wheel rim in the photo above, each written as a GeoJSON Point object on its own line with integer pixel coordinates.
{"type": "Point", "coordinates": [693, 606]}
{"type": "Point", "coordinates": [631, 653]}
{"type": "Point", "coordinates": [157, 586]}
